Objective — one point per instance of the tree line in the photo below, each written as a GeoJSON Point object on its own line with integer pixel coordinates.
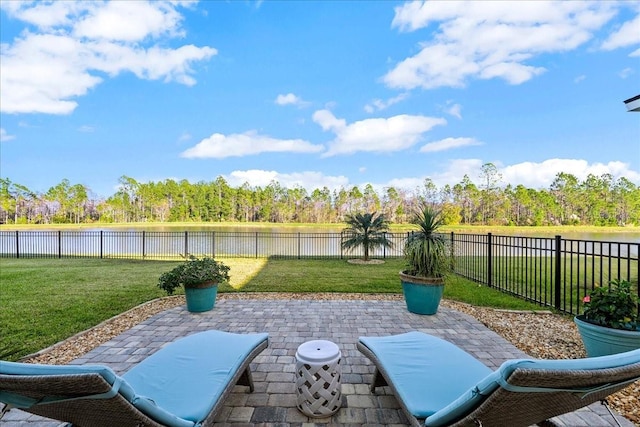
{"type": "Point", "coordinates": [596, 200]}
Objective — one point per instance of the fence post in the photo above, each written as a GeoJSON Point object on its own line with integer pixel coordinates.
{"type": "Point", "coordinates": [186, 244]}
{"type": "Point", "coordinates": [299, 250]}
{"type": "Point", "coordinates": [59, 243]}
{"type": "Point", "coordinates": [17, 245]}
{"type": "Point", "coordinates": [213, 244]}
{"type": "Point", "coordinates": [453, 253]}
{"type": "Point", "coordinates": [557, 277]}
{"type": "Point", "coordinates": [384, 247]}
{"type": "Point", "coordinates": [256, 244]}
{"type": "Point", "coordinates": [143, 249]}
{"type": "Point", "coordinates": [101, 242]}
{"type": "Point", "coordinates": [489, 261]}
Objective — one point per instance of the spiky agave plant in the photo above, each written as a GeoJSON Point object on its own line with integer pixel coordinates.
{"type": "Point", "coordinates": [427, 251]}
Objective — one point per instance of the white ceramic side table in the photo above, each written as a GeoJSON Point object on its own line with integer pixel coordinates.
{"type": "Point", "coordinates": [318, 376]}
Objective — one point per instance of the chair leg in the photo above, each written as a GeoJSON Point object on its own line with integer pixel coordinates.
{"type": "Point", "coordinates": [5, 409]}
{"type": "Point", "coordinates": [246, 379]}
{"type": "Point", "coordinates": [378, 381]}
{"type": "Point", "coordinates": [606, 405]}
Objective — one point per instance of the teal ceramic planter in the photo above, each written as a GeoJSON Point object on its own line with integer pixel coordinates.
{"type": "Point", "coordinates": [601, 341]}
{"type": "Point", "coordinates": [422, 295]}
{"type": "Point", "coordinates": [201, 299]}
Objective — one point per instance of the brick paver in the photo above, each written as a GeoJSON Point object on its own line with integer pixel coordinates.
{"type": "Point", "coordinates": [289, 324]}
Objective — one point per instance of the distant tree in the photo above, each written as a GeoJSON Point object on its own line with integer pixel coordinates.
{"type": "Point", "coordinates": [321, 205]}
{"type": "Point", "coordinates": [371, 199]}
{"type": "Point", "coordinates": [222, 199]}
{"type": "Point", "coordinates": [78, 199]}
{"type": "Point", "coordinates": [298, 201]}
{"type": "Point", "coordinates": [565, 189]}
{"type": "Point", "coordinates": [489, 193]}
{"type": "Point", "coordinates": [367, 230]}
{"type": "Point", "coordinates": [599, 197]}
{"type": "Point", "coordinates": [598, 200]}
{"type": "Point", "coordinates": [7, 200]}
{"type": "Point", "coordinates": [340, 202]}
{"type": "Point", "coordinates": [467, 196]}
{"type": "Point", "coordinates": [392, 203]}
{"type": "Point", "coordinates": [61, 196]}
{"type": "Point", "coordinates": [450, 214]}
{"type": "Point", "coordinates": [627, 201]}
{"type": "Point", "coordinates": [355, 200]}
{"type": "Point", "coordinates": [428, 194]}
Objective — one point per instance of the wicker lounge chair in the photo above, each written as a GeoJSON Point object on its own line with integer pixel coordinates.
{"type": "Point", "coordinates": [184, 384]}
{"type": "Point", "coordinates": [439, 384]}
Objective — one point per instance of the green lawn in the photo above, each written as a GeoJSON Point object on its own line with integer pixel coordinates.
{"type": "Point", "coordinates": [533, 276]}
{"type": "Point", "coordinates": [44, 301]}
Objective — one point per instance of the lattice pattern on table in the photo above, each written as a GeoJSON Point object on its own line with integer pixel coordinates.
{"type": "Point", "coordinates": [318, 386]}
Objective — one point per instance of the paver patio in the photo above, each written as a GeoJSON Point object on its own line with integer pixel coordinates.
{"type": "Point", "coordinates": [289, 324]}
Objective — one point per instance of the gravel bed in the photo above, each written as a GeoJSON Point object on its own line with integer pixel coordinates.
{"type": "Point", "coordinates": [540, 334]}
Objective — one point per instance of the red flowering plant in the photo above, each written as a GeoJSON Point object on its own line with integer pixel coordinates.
{"type": "Point", "coordinates": [614, 306]}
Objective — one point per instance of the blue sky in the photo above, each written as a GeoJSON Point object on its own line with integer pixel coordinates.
{"type": "Point", "coordinates": [314, 94]}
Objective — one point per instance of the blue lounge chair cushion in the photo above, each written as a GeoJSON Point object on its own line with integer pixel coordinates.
{"type": "Point", "coordinates": [187, 377]}
{"type": "Point", "coordinates": [427, 372]}
{"type": "Point", "coordinates": [442, 383]}
{"type": "Point", "coordinates": [474, 396]}
{"type": "Point", "coordinates": [120, 386]}
{"type": "Point", "coordinates": [177, 386]}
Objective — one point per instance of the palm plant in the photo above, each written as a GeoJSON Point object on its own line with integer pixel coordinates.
{"type": "Point", "coordinates": [367, 230]}
{"type": "Point", "coordinates": [426, 250]}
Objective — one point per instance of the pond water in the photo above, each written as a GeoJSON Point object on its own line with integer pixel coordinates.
{"type": "Point", "coordinates": [631, 236]}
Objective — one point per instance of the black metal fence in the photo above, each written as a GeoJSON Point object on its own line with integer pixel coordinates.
{"type": "Point", "coordinates": [552, 272]}
{"type": "Point", "coordinates": [177, 244]}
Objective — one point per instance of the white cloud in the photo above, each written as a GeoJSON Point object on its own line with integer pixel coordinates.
{"type": "Point", "coordinates": [448, 144]}
{"type": "Point", "coordinates": [44, 14]}
{"type": "Point", "coordinates": [129, 21]}
{"type": "Point", "coordinates": [541, 175]}
{"type": "Point", "coordinates": [626, 72]}
{"type": "Point", "coordinates": [627, 35]}
{"type": "Point", "coordinates": [580, 78]}
{"type": "Point", "coordinates": [379, 104]}
{"type": "Point", "coordinates": [529, 174]}
{"type": "Point", "coordinates": [374, 135]}
{"type": "Point", "coordinates": [185, 136]}
{"type": "Point", "coordinates": [309, 180]}
{"type": "Point", "coordinates": [86, 129]}
{"type": "Point", "coordinates": [4, 136]}
{"type": "Point", "coordinates": [486, 40]}
{"type": "Point", "coordinates": [455, 110]}
{"type": "Point", "coordinates": [290, 99]}
{"type": "Point", "coordinates": [82, 41]}
{"type": "Point", "coordinates": [328, 121]}
{"type": "Point", "coordinates": [453, 174]}
{"type": "Point", "coordinates": [219, 146]}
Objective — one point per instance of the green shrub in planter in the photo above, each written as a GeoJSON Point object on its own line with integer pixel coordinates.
{"type": "Point", "coordinates": [614, 306]}
{"type": "Point", "coordinates": [193, 273]}
{"type": "Point", "coordinates": [610, 323]}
